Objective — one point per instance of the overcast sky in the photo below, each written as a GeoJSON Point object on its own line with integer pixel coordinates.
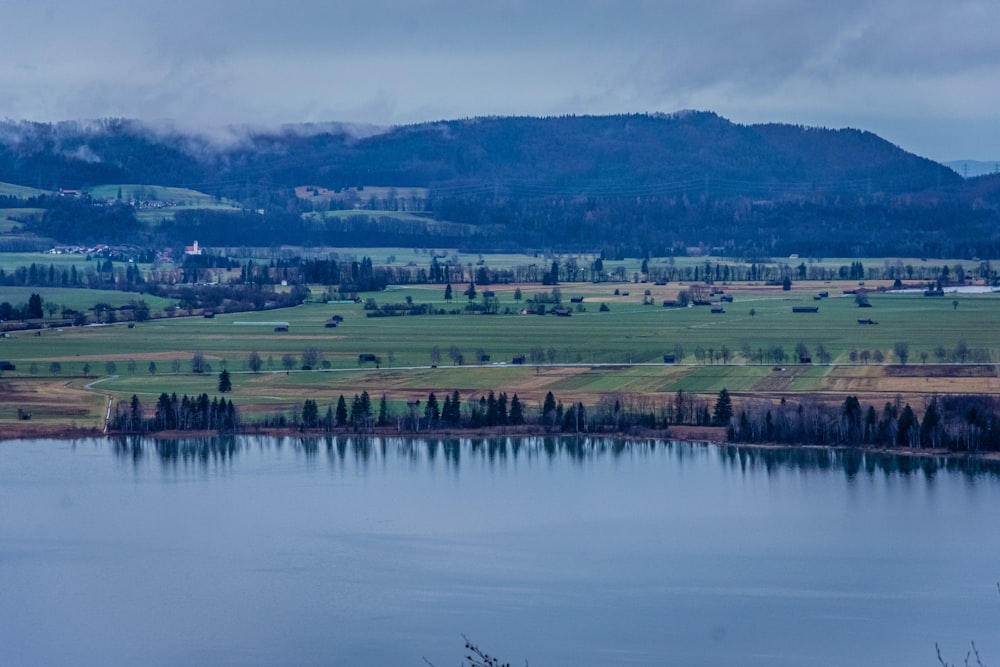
{"type": "Point", "coordinates": [924, 74]}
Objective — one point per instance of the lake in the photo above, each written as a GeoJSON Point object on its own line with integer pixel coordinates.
{"type": "Point", "coordinates": [355, 551]}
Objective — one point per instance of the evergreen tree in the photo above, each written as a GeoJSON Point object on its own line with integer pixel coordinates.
{"type": "Point", "coordinates": [502, 417]}
{"type": "Point", "coordinates": [549, 405]}
{"type": "Point", "coordinates": [366, 404]}
{"type": "Point", "coordinates": [431, 410]}
{"type": "Point", "coordinates": [383, 411]}
{"type": "Point", "coordinates": [516, 411]}
{"type": "Point", "coordinates": [310, 413]}
{"type": "Point", "coordinates": [34, 306]}
{"type": "Point", "coordinates": [906, 427]}
{"type": "Point", "coordinates": [492, 417]}
{"type": "Point", "coordinates": [341, 411]}
{"type": "Point", "coordinates": [355, 410]}
{"type": "Point", "coordinates": [225, 384]}
{"type": "Point", "coordinates": [723, 409]}
{"type": "Point", "coordinates": [929, 428]}
{"type": "Point", "coordinates": [455, 416]}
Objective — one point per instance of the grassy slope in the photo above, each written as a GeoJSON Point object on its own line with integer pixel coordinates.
{"type": "Point", "coordinates": [22, 191]}
{"type": "Point", "coordinates": [79, 299]}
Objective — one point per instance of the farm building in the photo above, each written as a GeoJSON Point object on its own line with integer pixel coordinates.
{"type": "Point", "coordinates": [718, 310]}
{"type": "Point", "coordinates": [805, 309]}
{"type": "Point", "coordinates": [576, 299]}
{"type": "Point", "coordinates": [281, 328]}
{"type": "Point", "coordinates": [366, 357]}
{"type": "Point", "coordinates": [7, 366]}
{"type": "Point", "coordinates": [518, 359]}
{"type": "Point", "coordinates": [669, 358]}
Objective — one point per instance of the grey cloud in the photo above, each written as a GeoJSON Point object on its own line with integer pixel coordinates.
{"type": "Point", "coordinates": [199, 62]}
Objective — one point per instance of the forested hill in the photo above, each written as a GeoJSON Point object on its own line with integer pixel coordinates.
{"type": "Point", "coordinates": [690, 152]}
{"type": "Point", "coordinates": [653, 183]}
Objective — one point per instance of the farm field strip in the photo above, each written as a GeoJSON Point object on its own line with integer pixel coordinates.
{"type": "Point", "coordinates": [584, 357]}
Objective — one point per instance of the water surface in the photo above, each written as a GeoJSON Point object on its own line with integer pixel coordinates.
{"type": "Point", "coordinates": [271, 551]}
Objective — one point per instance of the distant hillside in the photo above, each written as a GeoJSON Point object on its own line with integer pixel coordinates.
{"type": "Point", "coordinates": [627, 183]}
{"type": "Point", "coordinates": [689, 153]}
{"type": "Point", "coordinates": [594, 155]}
{"type": "Point", "coordinates": [971, 168]}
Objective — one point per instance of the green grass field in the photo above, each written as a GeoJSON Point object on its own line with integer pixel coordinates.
{"type": "Point", "coordinates": [180, 196]}
{"type": "Point", "coordinates": [11, 260]}
{"type": "Point", "coordinates": [585, 356]}
{"type": "Point", "coordinates": [629, 333]}
{"type": "Point", "coordinates": [79, 299]}
{"type": "Point", "coordinates": [21, 191]}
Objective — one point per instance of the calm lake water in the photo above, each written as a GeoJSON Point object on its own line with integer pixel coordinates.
{"type": "Point", "coordinates": [265, 551]}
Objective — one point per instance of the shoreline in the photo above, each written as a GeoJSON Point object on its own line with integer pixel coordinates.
{"type": "Point", "coordinates": [699, 435]}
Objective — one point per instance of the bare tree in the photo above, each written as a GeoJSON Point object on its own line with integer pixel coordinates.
{"type": "Point", "coordinates": [537, 354]}
{"type": "Point", "coordinates": [198, 364]}
{"type": "Point", "coordinates": [902, 351]}
{"type": "Point", "coordinates": [311, 356]}
{"type": "Point", "coordinates": [254, 362]}
{"type": "Point", "coordinates": [822, 353]}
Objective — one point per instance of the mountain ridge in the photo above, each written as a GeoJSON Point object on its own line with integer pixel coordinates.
{"type": "Point", "coordinates": [633, 182]}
